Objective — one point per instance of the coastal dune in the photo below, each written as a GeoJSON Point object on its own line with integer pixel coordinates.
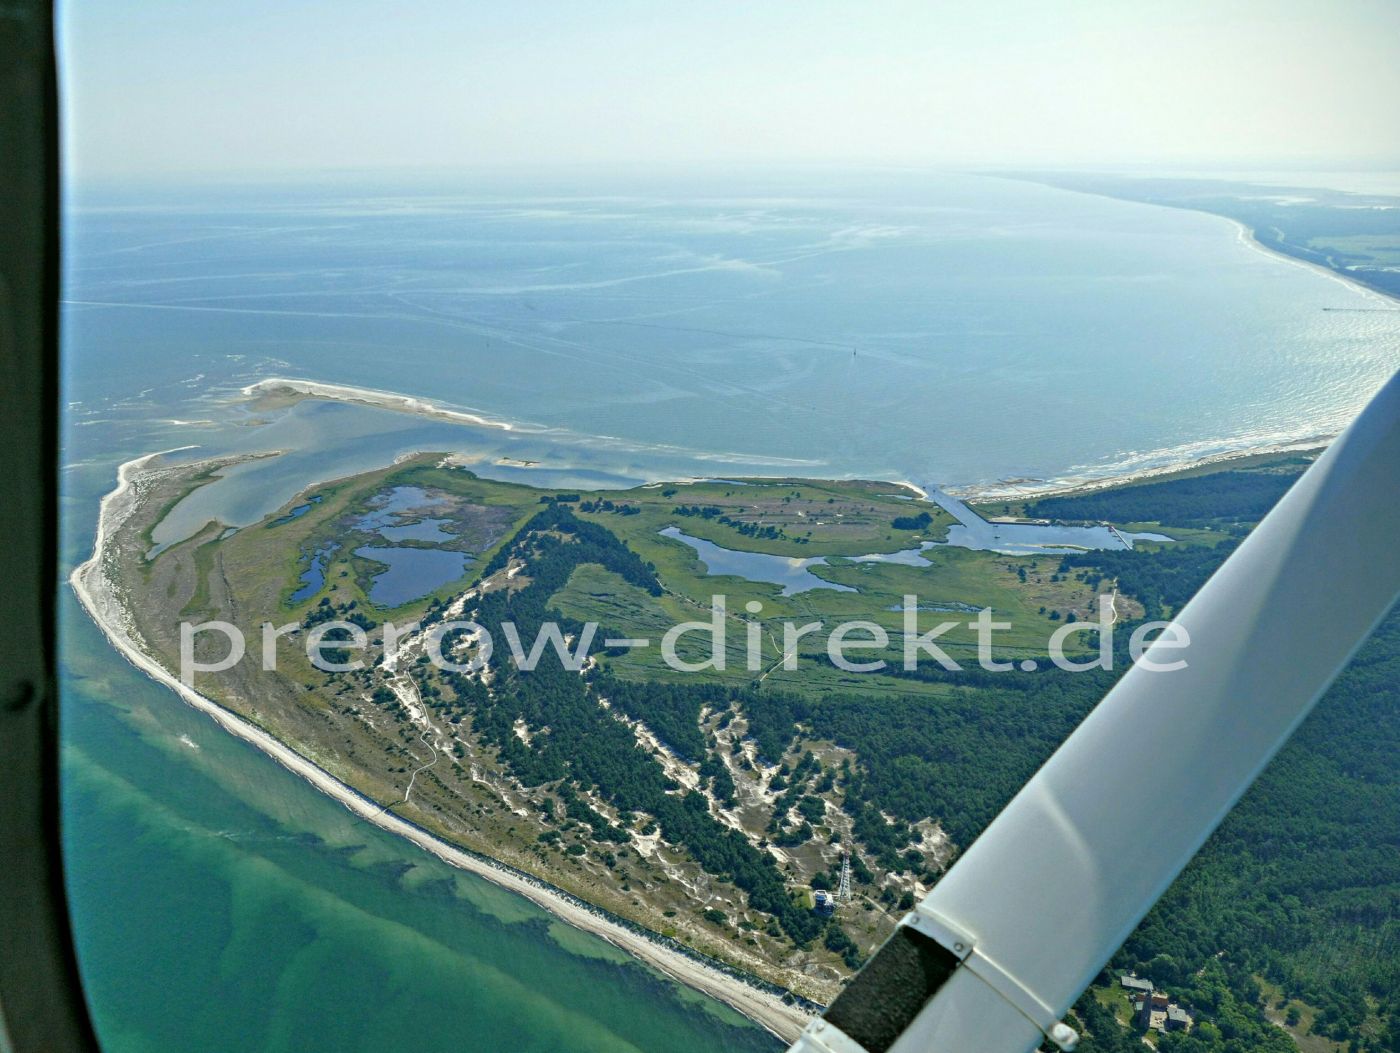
{"type": "Point", "coordinates": [96, 591]}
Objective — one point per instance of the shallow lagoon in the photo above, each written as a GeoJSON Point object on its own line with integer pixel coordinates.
{"type": "Point", "coordinates": [399, 503]}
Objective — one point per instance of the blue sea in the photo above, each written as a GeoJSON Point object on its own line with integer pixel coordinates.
{"type": "Point", "coordinates": [969, 331]}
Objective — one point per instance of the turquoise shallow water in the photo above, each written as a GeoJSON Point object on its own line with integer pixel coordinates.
{"type": "Point", "coordinates": [938, 328]}
{"type": "Point", "coordinates": [222, 904]}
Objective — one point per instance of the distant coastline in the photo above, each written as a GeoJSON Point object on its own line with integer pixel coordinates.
{"type": "Point", "coordinates": [1205, 196]}
{"type": "Point", "coordinates": [1019, 490]}
{"type": "Point", "coordinates": [1279, 251]}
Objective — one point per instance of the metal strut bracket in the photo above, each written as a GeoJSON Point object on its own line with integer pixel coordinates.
{"type": "Point", "coordinates": [963, 946]}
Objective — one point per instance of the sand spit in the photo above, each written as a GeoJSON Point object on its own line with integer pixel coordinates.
{"type": "Point", "coordinates": [289, 387]}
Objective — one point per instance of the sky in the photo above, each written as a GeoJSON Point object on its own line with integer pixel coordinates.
{"type": "Point", "coordinates": [172, 87]}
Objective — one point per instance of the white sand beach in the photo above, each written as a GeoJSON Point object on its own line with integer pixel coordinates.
{"type": "Point", "coordinates": [273, 386]}
{"type": "Point", "coordinates": [95, 590]}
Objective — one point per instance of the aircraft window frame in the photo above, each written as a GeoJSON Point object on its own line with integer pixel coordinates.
{"type": "Point", "coordinates": [41, 1000]}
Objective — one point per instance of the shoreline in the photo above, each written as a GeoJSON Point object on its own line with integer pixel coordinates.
{"type": "Point", "coordinates": [294, 390]}
{"type": "Point", "coordinates": [1093, 479]}
{"type": "Point", "coordinates": [98, 596]}
{"type": "Point", "coordinates": [389, 400]}
{"type": "Point", "coordinates": [1249, 237]}
{"type": "Point", "coordinates": [1027, 489]}
{"type": "Point", "coordinates": [1000, 490]}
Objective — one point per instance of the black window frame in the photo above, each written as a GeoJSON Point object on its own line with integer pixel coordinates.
{"type": "Point", "coordinates": [42, 1007]}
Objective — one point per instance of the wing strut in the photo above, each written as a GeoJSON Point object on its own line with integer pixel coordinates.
{"type": "Point", "coordinates": [998, 951]}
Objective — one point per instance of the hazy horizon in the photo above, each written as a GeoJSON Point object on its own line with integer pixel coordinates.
{"type": "Point", "coordinates": [166, 90]}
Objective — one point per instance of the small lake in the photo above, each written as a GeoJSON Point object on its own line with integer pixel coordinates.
{"type": "Point", "coordinates": [314, 576]}
{"type": "Point", "coordinates": [411, 573]}
{"type": "Point", "coordinates": [791, 572]}
{"type": "Point", "coordinates": [298, 511]}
